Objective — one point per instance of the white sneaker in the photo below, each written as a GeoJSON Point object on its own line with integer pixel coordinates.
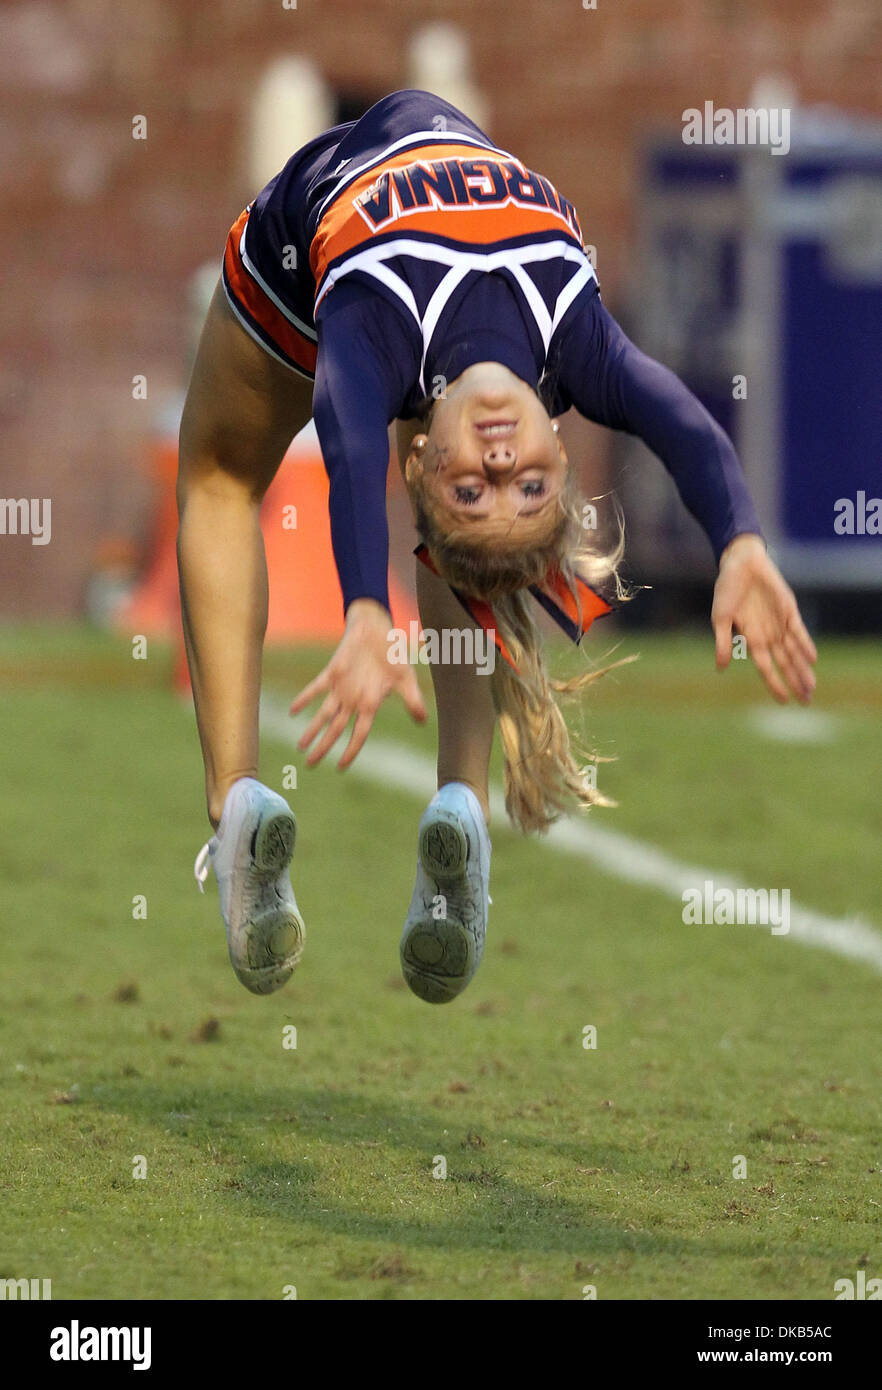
{"type": "Point", "coordinates": [250, 854]}
{"type": "Point", "coordinates": [443, 938]}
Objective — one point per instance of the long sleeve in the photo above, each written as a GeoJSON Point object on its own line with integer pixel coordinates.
{"type": "Point", "coordinates": [365, 365]}
{"type": "Point", "coordinates": [610, 381]}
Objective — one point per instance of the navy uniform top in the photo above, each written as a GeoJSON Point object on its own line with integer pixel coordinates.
{"type": "Point", "coordinates": [405, 247]}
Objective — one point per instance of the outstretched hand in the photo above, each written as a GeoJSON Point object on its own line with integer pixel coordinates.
{"type": "Point", "coordinates": [356, 681]}
{"type": "Point", "coordinates": [752, 598]}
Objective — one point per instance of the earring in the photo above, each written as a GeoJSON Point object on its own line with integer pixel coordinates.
{"type": "Point", "coordinates": [555, 426]}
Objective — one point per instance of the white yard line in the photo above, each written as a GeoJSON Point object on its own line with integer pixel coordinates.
{"type": "Point", "coordinates": [612, 852]}
{"type": "Point", "coordinates": [785, 724]}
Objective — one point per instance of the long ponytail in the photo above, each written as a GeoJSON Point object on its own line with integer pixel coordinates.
{"type": "Point", "coordinates": [543, 778]}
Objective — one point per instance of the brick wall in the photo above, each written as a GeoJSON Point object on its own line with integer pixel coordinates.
{"type": "Point", "coordinates": [100, 232]}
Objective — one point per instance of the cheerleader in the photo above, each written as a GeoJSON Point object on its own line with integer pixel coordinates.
{"type": "Point", "coordinates": [403, 268]}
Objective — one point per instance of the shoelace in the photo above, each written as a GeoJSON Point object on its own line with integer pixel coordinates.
{"type": "Point", "coordinates": [202, 866]}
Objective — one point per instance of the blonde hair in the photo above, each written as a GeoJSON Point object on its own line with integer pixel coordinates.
{"type": "Point", "coordinates": [543, 779]}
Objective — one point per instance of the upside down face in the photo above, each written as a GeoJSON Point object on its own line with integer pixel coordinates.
{"type": "Point", "coordinates": [490, 464]}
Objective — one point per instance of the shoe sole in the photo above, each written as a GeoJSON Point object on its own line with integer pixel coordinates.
{"type": "Point", "coordinates": [444, 847]}
{"type": "Point", "coordinates": [274, 841]}
{"type": "Point", "coordinates": [439, 958]}
{"type": "Point", "coordinates": [272, 941]}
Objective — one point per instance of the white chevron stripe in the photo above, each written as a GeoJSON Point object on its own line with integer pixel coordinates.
{"type": "Point", "coordinates": [434, 310]}
{"type": "Point", "coordinates": [514, 259]}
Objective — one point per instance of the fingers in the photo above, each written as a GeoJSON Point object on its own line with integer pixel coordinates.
{"type": "Point", "coordinates": [752, 598]}
{"type": "Point", "coordinates": [327, 711]}
{"type": "Point", "coordinates": [784, 667]}
{"type": "Point", "coordinates": [329, 738]}
{"type": "Point", "coordinates": [793, 653]}
{"type": "Point", "coordinates": [412, 697]}
{"type": "Point", "coordinates": [801, 666]}
{"type": "Point", "coordinates": [336, 717]}
{"type": "Point", "coordinates": [774, 684]}
{"type": "Point", "coordinates": [791, 671]}
{"type": "Point", "coordinates": [800, 633]}
{"type": "Point", "coordinates": [356, 742]}
{"type": "Point", "coordinates": [723, 640]}
{"type": "Point", "coordinates": [345, 697]}
{"type": "Point", "coordinates": [309, 692]}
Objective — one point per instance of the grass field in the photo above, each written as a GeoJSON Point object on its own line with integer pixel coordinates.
{"type": "Point", "coordinates": [312, 1167]}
